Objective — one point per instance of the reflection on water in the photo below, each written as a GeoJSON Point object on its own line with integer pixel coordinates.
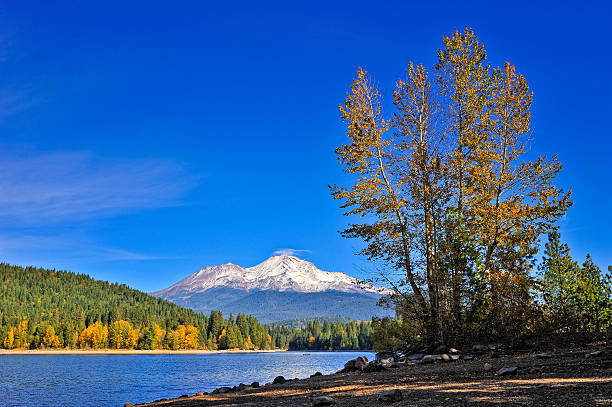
{"type": "Point", "coordinates": [111, 380]}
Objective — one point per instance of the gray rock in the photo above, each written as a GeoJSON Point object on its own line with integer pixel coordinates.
{"type": "Point", "coordinates": [279, 380]}
{"type": "Point", "coordinates": [416, 356]}
{"type": "Point", "coordinates": [480, 349]}
{"type": "Point", "coordinates": [455, 357]}
{"type": "Point", "coordinates": [504, 371]}
{"type": "Point", "coordinates": [323, 401]}
{"type": "Point", "coordinates": [594, 354]}
{"type": "Point", "coordinates": [222, 390]}
{"type": "Point", "coordinates": [544, 355]}
{"type": "Point", "coordinates": [429, 359]}
{"type": "Point", "coordinates": [487, 366]}
{"type": "Point", "coordinates": [386, 363]}
{"type": "Point", "coordinates": [357, 364]}
{"type": "Point", "coordinates": [468, 357]}
{"type": "Point", "coordinates": [385, 355]}
{"type": "Point", "coordinates": [391, 396]}
{"type": "Point", "coordinates": [398, 364]}
{"type": "Point", "coordinates": [374, 366]}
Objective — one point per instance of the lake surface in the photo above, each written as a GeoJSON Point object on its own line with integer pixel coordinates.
{"type": "Point", "coordinates": [112, 380]}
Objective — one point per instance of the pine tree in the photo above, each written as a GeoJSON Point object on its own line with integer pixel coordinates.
{"type": "Point", "coordinates": [558, 284]}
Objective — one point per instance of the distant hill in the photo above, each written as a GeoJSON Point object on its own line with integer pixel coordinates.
{"type": "Point", "coordinates": [75, 301]}
{"type": "Point", "coordinates": [42, 308]}
{"type": "Point", "coordinates": [280, 288]}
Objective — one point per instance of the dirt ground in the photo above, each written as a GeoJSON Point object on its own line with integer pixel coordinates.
{"type": "Point", "coordinates": [567, 379]}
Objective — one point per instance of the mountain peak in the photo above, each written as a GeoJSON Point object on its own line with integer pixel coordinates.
{"type": "Point", "coordinates": [282, 272]}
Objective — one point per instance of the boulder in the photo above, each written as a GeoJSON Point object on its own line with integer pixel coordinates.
{"type": "Point", "coordinates": [445, 358]}
{"type": "Point", "coordinates": [374, 366]}
{"type": "Point", "coordinates": [321, 401]}
{"type": "Point", "coordinates": [316, 374]}
{"type": "Point", "coordinates": [594, 354]}
{"type": "Point", "coordinates": [468, 357]}
{"type": "Point", "coordinates": [416, 356]}
{"type": "Point", "coordinates": [480, 349]}
{"type": "Point", "coordinates": [279, 380]}
{"type": "Point", "coordinates": [386, 363]}
{"type": "Point", "coordinates": [384, 355]}
{"type": "Point", "coordinates": [184, 396]}
{"type": "Point", "coordinates": [430, 359]}
{"type": "Point", "coordinates": [390, 396]}
{"type": "Point", "coordinates": [357, 364]}
{"type": "Point", "coordinates": [398, 364]}
{"type": "Point", "coordinates": [222, 390]}
{"type": "Point", "coordinates": [487, 366]}
{"type": "Point", "coordinates": [504, 371]}
{"type": "Point", "coordinates": [198, 394]}
{"type": "Point", "coordinates": [127, 405]}
{"type": "Point", "coordinates": [453, 351]}
{"type": "Point", "coordinates": [455, 357]}
{"type": "Point", "coordinates": [544, 355]}
{"type": "Point", "coordinates": [255, 385]}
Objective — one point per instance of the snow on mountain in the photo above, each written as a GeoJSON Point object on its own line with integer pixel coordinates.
{"type": "Point", "coordinates": [278, 273]}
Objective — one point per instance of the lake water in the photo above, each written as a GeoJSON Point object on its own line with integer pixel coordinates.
{"type": "Point", "coordinates": [112, 380]}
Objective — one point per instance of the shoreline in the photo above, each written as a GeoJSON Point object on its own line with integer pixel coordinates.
{"type": "Point", "coordinates": [129, 351]}
{"type": "Point", "coordinates": [567, 377]}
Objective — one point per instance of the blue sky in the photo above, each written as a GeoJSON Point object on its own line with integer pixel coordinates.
{"type": "Point", "coordinates": [141, 142]}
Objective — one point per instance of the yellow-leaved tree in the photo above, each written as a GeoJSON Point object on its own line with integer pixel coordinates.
{"type": "Point", "coordinates": [444, 196]}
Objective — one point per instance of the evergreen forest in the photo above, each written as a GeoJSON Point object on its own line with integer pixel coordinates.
{"type": "Point", "coordinates": [47, 309]}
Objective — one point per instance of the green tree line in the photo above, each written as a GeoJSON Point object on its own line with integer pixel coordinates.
{"type": "Point", "coordinates": [42, 308]}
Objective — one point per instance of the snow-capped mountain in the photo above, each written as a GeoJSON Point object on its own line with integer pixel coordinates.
{"type": "Point", "coordinates": [279, 273]}
{"type": "Point", "coordinates": [282, 287]}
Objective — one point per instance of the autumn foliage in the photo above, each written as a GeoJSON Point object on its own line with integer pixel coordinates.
{"type": "Point", "coordinates": [448, 202]}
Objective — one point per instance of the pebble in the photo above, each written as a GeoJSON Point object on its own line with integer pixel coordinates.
{"type": "Point", "coordinates": [323, 401]}
{"type": "Point", "coordinates": [507, 371]}
{"type": "Point", "coordinates": [391, 396]}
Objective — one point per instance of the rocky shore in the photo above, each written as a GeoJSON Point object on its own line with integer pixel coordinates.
{"type": "Point", "coordinates": [486, 375]}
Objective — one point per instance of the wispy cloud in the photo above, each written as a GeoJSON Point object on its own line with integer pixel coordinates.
{"type": "Point", "coordinates": [68, 186]}
{"type": "Point", "coordinates": [64, 248]}
{"type": "Point", "coordinates": [289, 252]}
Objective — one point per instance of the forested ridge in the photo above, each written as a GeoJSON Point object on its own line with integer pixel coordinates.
{"type": "Point", "coordinates": [42, 308]}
